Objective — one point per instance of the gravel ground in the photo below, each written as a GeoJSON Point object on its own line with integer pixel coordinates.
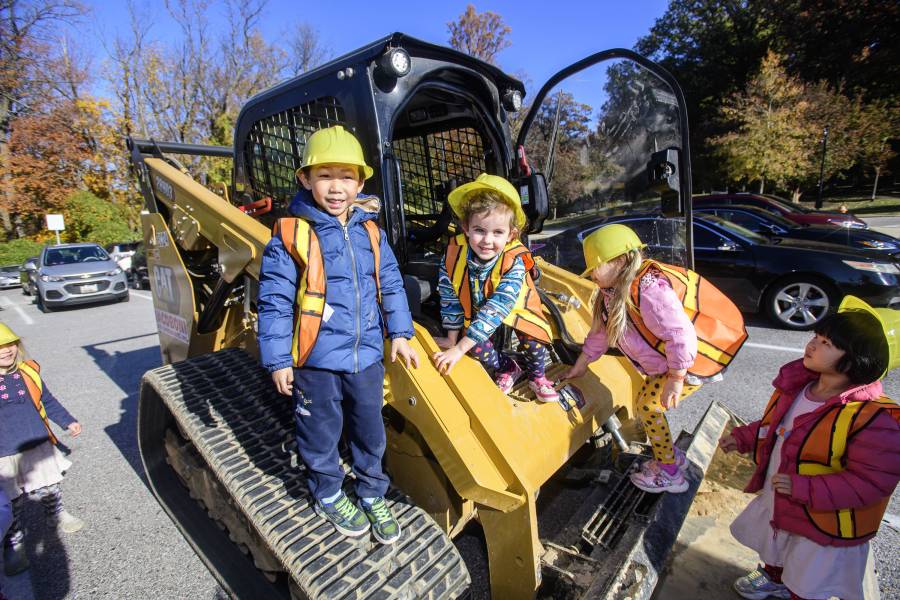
{"type": "Point", "coordinates": [93, 358]}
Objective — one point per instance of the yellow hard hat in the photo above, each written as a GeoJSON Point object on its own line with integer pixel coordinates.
{"type": "Point", "coordinates": [493, 183]}
{"type": "Point", "coordinates": [7, 335]}
{"type": "Point", "coordinates": [607, 243]}
{"type": "Point", "coordinates": [888, 318]}
{"type": "Point", "coordinates": [335, 145]}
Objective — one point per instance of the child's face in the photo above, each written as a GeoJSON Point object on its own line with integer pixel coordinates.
{"type": "Point", "coordinates": [821, 355]}
{"type": "Point", "coordinates": [334, 187]}
{"type": "Point", "coordinates": [8, 354]}
{"type": "Point", "coordinates": [605, 274]}
{"type": "Point", "coordinates": [489, 232]}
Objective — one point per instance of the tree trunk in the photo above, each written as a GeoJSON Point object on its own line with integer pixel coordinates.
{"type": "Point", "coordinates": [762, 185]}
{"type": "Point", "coordinates": [795, 195]}
{"type": "Point", "coordinates": [875, 187]}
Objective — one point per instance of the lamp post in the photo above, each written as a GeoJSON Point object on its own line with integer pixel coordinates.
{"type": "Point", "coordinates": [822, 166]}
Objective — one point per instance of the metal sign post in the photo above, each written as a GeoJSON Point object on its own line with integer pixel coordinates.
{"type": "Point", "coordinates": [56, 223]}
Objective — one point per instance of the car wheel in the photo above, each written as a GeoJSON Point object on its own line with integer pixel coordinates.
{"type": "Point", "coordinates": [40, 304]}
{"type": "Point", "coordinates": [25, 291]}
{"type": "Point", "coordinates": [134, 280]}
{"type": "Point", "coordinates": [799, 303]}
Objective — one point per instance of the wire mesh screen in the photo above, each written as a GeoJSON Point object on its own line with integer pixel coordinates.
{"type": "Point", "coordinates": [275, 144]}
{"type": "Point", "coordinates": [428, 163]}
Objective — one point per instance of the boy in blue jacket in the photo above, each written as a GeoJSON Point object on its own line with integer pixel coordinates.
{"type": "Point", "coordinates": [329, 287]}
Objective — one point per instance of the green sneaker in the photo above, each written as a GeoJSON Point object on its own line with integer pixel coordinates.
{"type": "Point", "coordinates": [385, 527]}
{"type": "Point", "coordinates": [344, 515]}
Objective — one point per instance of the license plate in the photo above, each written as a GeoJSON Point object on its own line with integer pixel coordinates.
{"type": "Point", "coordinates": [89, 288]}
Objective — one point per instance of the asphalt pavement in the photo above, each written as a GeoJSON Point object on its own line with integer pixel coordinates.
{"type": "Point", "coordinates": [93, 357]}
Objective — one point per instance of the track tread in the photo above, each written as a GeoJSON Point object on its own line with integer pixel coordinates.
{"type": "Point", "coordinates": [227, 406]}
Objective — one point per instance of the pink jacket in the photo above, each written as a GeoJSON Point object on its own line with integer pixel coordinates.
{"type": "Point", "coordinates": [872, 462]}
{"type": "Point", "coordinates": [663, 314]}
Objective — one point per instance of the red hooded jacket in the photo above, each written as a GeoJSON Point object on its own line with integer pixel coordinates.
{"type": "Point", "coordinates": [872, 460]}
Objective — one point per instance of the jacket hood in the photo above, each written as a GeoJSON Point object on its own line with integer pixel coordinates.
{"type": "Point", "coordinates": [365, 207]}
{"type": "Point", "coordinates": [794, 376]}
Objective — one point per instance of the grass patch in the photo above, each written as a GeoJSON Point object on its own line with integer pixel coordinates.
{"type": "Point", "coordinates": [863, 205]}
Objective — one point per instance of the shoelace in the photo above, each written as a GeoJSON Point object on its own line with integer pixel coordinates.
{"type": "Point", "coordinates": [381, 512]}
{"type": "Point", "coordinates": [344, 507]}
{"type": "Point", "coordinates": [758, 579]}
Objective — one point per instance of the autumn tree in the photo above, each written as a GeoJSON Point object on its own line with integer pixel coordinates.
{"type": "Point", "coordinates": [482, 35]}
{"type": "Point", "coordinates": [770, 130]}
{"type": "Point", "coordinates": [878, 122]}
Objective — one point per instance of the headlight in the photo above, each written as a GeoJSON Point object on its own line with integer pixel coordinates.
{"type": "Point", "coordinates": [874, 267]}
{"type": "Point", "coordinates": [115, 271]}
{"type": "Point", "coordinates": [395, 62]}
{"type": "Point", "coordinates": [49, 278]}
{"type": "Point", "coordinates": [512, 100]}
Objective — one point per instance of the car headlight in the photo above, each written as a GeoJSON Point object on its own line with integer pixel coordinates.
{"type": "Point", "coordinates": [115, 271]}
{"type": "Point", "coordinates": [874, 267]}
{"type": "Point", "coordinates": [49, 278]}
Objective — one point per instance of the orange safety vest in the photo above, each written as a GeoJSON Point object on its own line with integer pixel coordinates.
{"type": "Point", "coordinates": [32, 377]}
{"type": "Point", "coordinates": [302, 244]}
{"type": "Point", "coordinates": [717, 321]}
{"type": "Point", "coordinates": [822, 452]}
{"type": "Point", "coordinates": [527, 315]}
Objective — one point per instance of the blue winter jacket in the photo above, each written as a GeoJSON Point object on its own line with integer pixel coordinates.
{"type": "Point", "coordinates": [351, 336]}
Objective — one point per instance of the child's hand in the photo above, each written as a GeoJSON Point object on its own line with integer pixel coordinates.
{"type": "Point", "coordinates": [577, 370]}
{"type": "Point", "coordinates": [445, 360]}
{"type": "Point", "coordinates": [401, 346]}
{"type": "Point", "coordinates": [74, 429]}
{"type": "Point", "coordinates": [671, 393]}
{"type": "Point", "coordinates": [284, 380]}
{"type": "Point", "coordinates": [728, 443]}
{"type": "Point", "coordinates": [781, 483]}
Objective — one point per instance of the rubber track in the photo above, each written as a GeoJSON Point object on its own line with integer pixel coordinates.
{"type": "Point", "coordinates": [227, 406]}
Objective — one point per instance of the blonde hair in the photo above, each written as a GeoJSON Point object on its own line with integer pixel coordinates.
{"type": "Point", "coordinates": [485, 201]}
{"type": "Point", "coordinates": [21, 355]}
{"type": "Point", "coordinates": [616, 313]}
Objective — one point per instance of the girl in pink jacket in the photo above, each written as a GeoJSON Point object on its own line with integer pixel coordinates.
{"type": "Point", "coordinates": [827, 461]}
{"type": "Point", "coordinates": [613, 257]}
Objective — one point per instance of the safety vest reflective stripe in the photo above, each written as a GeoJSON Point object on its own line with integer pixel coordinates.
{"type": "Point", "coordinates": [527, 313]}
{"type": "Point", "coordinates": [302, 244]}
{"type": "Point", "coordinates": [823, 451]}
{"type": "Point", "coordinates": [35, 387]}
{"type": "Point", "coordinates": [718, 323]}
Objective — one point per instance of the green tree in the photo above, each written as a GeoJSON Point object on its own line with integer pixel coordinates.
{"type": "Point", "coordinates": [16, 251]}
{"type": "Point", "coordinates": [769, 129]}
{"type": "Point", "coordinates": [91, 219]}
{"type": "Point", "coordinates": [877, 122]}
{"type": "Point", "coordinates": [482, 35]}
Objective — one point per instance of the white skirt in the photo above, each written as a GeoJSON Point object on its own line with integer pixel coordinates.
{"type": "Point", "coordinates": [810, 570]}
{"type": "Point", "coordinates": [33, 469]}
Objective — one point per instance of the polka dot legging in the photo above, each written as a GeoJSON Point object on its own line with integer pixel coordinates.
{"type": "Point", "coordinates": [534, 356]}
{"type": "Point", "coordinates": [652, 414]}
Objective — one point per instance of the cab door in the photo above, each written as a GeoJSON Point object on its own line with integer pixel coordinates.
{"type": "Point", "coordinates": [609, 135]}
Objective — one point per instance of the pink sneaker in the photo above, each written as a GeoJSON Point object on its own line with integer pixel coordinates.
{"type": "Point", "coordinates": [543, 389]}
{"type": "Point", "coordinates": [506, 380]}
{"type": "Point", "coordinates": [654, 479]}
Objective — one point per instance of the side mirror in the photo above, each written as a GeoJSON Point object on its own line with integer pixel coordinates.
{"type": "Point", "coordinates": [662, 171]}
{"type": "Point", "coordinates": [535, 200]}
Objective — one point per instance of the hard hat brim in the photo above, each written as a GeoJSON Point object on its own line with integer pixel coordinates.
{"type": "Point", "coordinates": [367, 171]}
{"type": "Point", "coordinates": [851, 303]}
{"type": "Point", "coordinates": [457, 199]}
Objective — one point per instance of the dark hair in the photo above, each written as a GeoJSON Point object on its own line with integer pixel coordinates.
{"type": "Point", "coordinates": [861, 337]}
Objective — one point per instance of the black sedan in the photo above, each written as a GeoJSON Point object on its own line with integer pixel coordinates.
{"type": "Point", "coordinates": [795, 282]}
{"type": "Point", "coordinates": [771, 225]}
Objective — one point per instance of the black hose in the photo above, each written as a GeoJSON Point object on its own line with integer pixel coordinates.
{"type": "Point", "coordinates": [572, 348]}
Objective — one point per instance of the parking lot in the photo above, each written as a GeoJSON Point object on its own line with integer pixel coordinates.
{"type": "Point", "coordinates": [93, 358]}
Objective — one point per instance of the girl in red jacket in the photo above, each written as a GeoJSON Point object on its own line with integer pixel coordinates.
{"type": "Point", "coordinates": [827, 460]}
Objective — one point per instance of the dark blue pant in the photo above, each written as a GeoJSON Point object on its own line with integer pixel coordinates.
{"type": "Point", "coordinates": [324, 402]}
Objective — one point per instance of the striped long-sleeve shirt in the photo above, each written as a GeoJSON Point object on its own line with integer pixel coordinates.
{"type": "Point", "coordinates": [490, 311]}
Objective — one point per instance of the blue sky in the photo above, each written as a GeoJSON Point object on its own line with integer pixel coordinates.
{"type": "Point", "coordinates": [546, 35]}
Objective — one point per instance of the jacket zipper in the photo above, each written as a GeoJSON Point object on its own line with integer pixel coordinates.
{"type": "Point", "coordinates": [358, 302]}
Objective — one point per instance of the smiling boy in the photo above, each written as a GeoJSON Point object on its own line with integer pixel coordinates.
{"type": "Point", "coordinates": [329, 287]}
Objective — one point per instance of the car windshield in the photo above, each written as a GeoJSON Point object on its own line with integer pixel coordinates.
{"type": "Point", "coordinates": [733, 228]}
{"type": "Point", "coordinates": [770, 217]}
{"type": "Point", "coordinates": [74, 255]}
{"type": "Point", "coordinates": [9, 270]}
